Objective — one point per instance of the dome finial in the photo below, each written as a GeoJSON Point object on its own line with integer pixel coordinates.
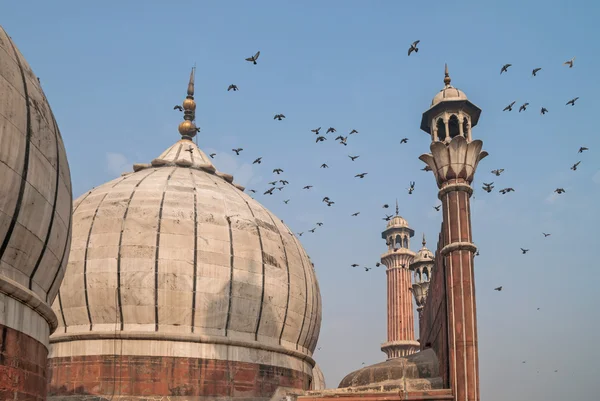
{"type": "Point", "coordinates": [187, 128]}
{"type": "Point", "coordinates": [397, 211]}
{"type": "Point", "coordinates": [446, 76]}
{"type": "Point", "coordinates": [424, 242]}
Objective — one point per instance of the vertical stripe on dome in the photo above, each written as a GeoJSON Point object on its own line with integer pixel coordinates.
{"type": "Point", "coordinates": [317, 327]}
{"type": "Point", "coordinates": [194, 285]}
{"type": "Point", "coordinates": [305, 291]}
{"type": "Point", "coordinates": [160, 213]}
{"type": "Point", "coordinates": [15, 215]}
{"type": "Point", "coordinates": [62, 313]}
{"type": "Point", "coordinates": [230, 275]}
{"type": "Point", "coordinates": [312, 303]}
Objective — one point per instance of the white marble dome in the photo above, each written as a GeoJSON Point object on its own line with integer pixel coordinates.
{"type": "Point", "coordinates": [449, 93]}
{"type": "Point", "coordinates": [175, 249]}
{"type": "Point", "coordinates": [35, 188]}
{"type": "Point", "coordinates": [423, 255]}
{"type": "Point", "coordinates": [397, 222]}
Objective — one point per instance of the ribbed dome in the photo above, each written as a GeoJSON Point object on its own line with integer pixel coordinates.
{"type": "Point", "coordinates": [35, 186]}
{"type": "Point", "coordinates": [397, 221]}
{"type": "Point", "coordinates": [175, 248]}
{"type": "Point", "coordinates": [449, 93]}
{"type": "Point", "coordinates": [423, 255]}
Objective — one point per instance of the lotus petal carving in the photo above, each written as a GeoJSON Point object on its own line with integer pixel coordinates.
{"type": "Point", "coordinates": [458, 159]}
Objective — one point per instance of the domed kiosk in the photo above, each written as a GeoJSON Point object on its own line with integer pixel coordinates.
{"type": "Point", "coordinates": [181, 285]}
{"type": "Point", "coordinates": [35, 225]}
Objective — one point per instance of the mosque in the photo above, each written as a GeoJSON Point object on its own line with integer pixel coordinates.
{"type": "Point", "coordinates": [170, 283]}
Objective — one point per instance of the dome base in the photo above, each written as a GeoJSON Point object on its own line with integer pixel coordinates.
{"type": "Point", "coordinates": [400, 349]}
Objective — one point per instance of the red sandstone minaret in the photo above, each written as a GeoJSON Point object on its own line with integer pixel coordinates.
{"type": "Point", "coordinates": [453, 159]}
{"type": "Point", "coordinates": [422, 268]}
{"type": "Point", "coordinates": [401, 324]}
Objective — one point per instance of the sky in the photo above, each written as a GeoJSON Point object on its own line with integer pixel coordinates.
{"type": "Point", "coordinates": [113, 71]}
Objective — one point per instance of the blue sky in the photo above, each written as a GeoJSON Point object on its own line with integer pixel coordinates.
{"type": "Point", "coordinates": [113, 71]}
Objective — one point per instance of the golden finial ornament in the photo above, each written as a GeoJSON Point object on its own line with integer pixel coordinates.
{"type": "Point", "coordinates": [446, 76]}
{"type": "Point", "coordinates": [187, 128]}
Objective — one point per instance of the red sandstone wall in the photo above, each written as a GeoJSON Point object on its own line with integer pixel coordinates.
{"type": "Point", "coordinates": [138, 376]}
{"type": "Point", "coordinates": [22, 366]}
{"type": "Point", "coordinates": [433, 330]}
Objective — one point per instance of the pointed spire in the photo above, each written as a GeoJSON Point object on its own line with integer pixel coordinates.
{"type": "Point", "coordinates": [424, 242]}
{"type": "Point", "coordinates": [446, 76]}
{"type": "Point", "coordinates": [187, 128]}
{"type": "Point", "coordinates": [397, 210]}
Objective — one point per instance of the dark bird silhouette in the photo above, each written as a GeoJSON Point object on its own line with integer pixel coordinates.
{"type": "Point", "coordinates": [312, 230]}
{"type": "Point", "coordinates": [353, 132]}
{"type": "Point", "coordinates": [272, 182]}
{"type": "Point", "coordinates": [509, 107]}
{"type": "Point", "coordinates": [386, 206]}
{"type": "Point", "coordinates": [488, 187]}
{"type": "Point", "coordinates": [253, 58]}
{"type": "Point", "coordinates": [506, 190]}
{"type": "Point", "coordinates": [324, 165]}
{"type": "Point", "coordinates": [190, 149]}
{"type": "Point", "coordinates": [232, 87]}
{"type": "Point", "coordinates": [574, 166]}
{"type": "Point", "coordinates": [237, 151]}
{"type": "Point", "coordinates": [411, 188]}
{"type": "Point", "coordinates": [280, 188]}
{"type": "Point", "coordinates": [253, 191]}
{"type": "Point", "coordinates": [361, 175]}
{"type": "Point", "coordinates": [353, 157]}
{"type": "Point", "coordinates": [426, 168]}
{"type": "Point", "coordinates": [535, 71]}
{"type": "Point", "coordinates": [212, 155]}
{"type": "Point", "coordinates": [178, 107]}
{"type": "Point", "coordinates": [355, 214]}
{"type": "Point", "coordinates": [269, 191]}
{"type": "Point", "coordinates": [316, 130]}
{"type": "Point", "coordinates": [286, 201]}
{"type": "Point", "coordinates": [543, 111]}
{"type": "Point", "coordinates": [524, 251]}
{"type": "Point", "coordinates": [388, 217]}
{"type": "Point", "coordinates": [581, 149]}
{"type": "Point", "coordinates": [523, 107]}
{"type": "Point", "coordinates": [319, 224]}
{"type": "Point", "coordinates": [546, 234]}
{"type": "Point", "coordinates": [498, 171]}
{"type": "Point", "coordinates": [504, 68]}
{"type": "Point", "coordinates": [572, 101]}
{"type": "Point", "coordinates": [377, 264]}
{"type": "Point", "coordinates": [437, 208]}
{"type": "Point", "coordinates": [308, 187]}
{"type": "Point", "coordinates": [321, 139]}
{"type": "Point", "coordinates": [403, 140]}
{"type": "Point", "coordinates": [413, 47]}
{"type": "Point", "coordinates": [477, 253]}
{"type": "Point", "coordinates": [278, 171]}
{"type": "Point", "coordinates": [569, 62]}
{"type": "Point", "coordinates": [300, 234]}
{"type": "Point", "coordinates": [279, 117]}
{"type": "Point", "coordinates": [353, 265]}
{"type": "Point", "coordinates": [559, 190]}
{"type": "Point", "coordinates": [284, 182]}
{"type": "Point", "coordinates": [498, 288]}
{"type": "Point", "coordinates": [326, 199]}
{"type": "Point", "coordinates": [257, 161]}
{"type": "Point", "coordinates": [330, 129]}
{"type": "Point", "coordinates": [343, 141]}
{"type": "Point", "coordinates": [368, 268]}
{"type": "Point", "coordinates": [329, 203]}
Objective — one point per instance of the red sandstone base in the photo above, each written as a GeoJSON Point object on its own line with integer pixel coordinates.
{"type": "Point", "coordinates": [140, 377]}
{"type": "Point", "coordinates": [22, 367]}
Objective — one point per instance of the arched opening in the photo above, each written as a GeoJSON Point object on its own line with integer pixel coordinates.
{"type": "Point", "coordinates": [441, 129]}
{"type": "Point", "coordinates": [425, 274]}
{"type": "Point", "coordinates": [405, 243]}
{"type": "Point", "coordinates": [466, 128]}
{"type": "Point", "coordinates": [453, 126]}
{"type": "Point", "coordinates": [398, 242]}
{"type": "Point", "coordinates": [417, 276]}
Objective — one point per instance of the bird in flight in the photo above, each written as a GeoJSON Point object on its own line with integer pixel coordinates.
{"type": "Point", "coordinates": [312, 230]}
{"type": "Point", "coordinates": [308, 187]}
{"type": "Point", "coordinates": [253, 58]}
{"type": "Point", "coordinates": [504, 68]}
{"type": "Point", "coordinates": [284, 182]}
{"type": "Point", "coordinates": [572, 101]}
{"type": "Point", "coordinates": [523, 107]}
{"type": "Point", "coordinates": [437, 208]}
{"type": "Point", "coordinates": [498, 171]}
{"type": "Point", "coordinates": [506, 190]}
{"type": "Point", "coordinates": [426, 168]}
{"type": "Point", "coordinates": [278, 171]}
{"type": "Point", "coordinates": [535, 71]}
{"type": "Point", "coordinates": [355, 214]}
{"type": "Point", "coordinates": [387, 217]}
{"type": "Point", "coordinates": [324, 165]}
{"type": "Point", "coordinates": [353, 132]}
{"type": "Point", "coordinates": [353, 265]}
{"type": "Point", "coordinates": [272, 182]}
{"type": "Point", "coordinates": [544, 110]}
{"type": "Point", "coordinates": [488, 187]}
{"type": "Point", "coordinates": [342, 139]}
{"type": "Point", "coordinates": [353, 157]}
{"type": "Point", "coordinates": [569, 62]}
{"type": "Point", "coordinates": [385, 206]}
{"type": "Point", "coordinates": [279, 117]}
{"type": "Point", "coordinates": [280, 188]}
{"type": "Point", "coordinates": [329, 203]}
{"type": "Point", "coordinates": [319, 224]}
{"type": "Point", "coordinates": [404, 140]}
{"type": "Point", "coordinates": [190, 149]}
{"type": "Point", "coordinates": [413, 47]}
{"type": "Point", "coordinates": [237, 151]}
{"type": "Point", "coordinates": [574, 166]}
{"type": "Point", "coordinates": [509, 107]}
{"type": "Point", "coordinates": [559, 190]}
{"type": "Point", "coordinates": [316, 131]}
{"type": "Point", "coordinates": [546, 235]}
{"type": "Point", "coordinates": [361, 175]}
{"type": "Point", "coordinates": [253, 191]}
{"type": "Point", "coordinates": [286, 201]}
{"type": "Point", "coordinates": [300, 234]}
{"type": "Point", "coordinates": [269, 191]}
{"type": "Point", "coordinates": [524, 251]}
{"type": "Point", "coordinates": [257, 161]}
{"type": "Point", "coordinates": [326, 199]}
{"type": "Point", "coordinates": [232, 87]}
{"type": "Point", "coordinates": [212, 155]}
{"type": "Point", "coordinates": [411, 188]}
{"type": "Point", "coordinates": [330, 129]}
{"type": "Point", "coordinates": [320, 139]}
{"type": "Point", "coordinates": [368, 268]}
{"type": "Point", "coordinates": [178, 107]}
{"type": "Point", "coordinates": [498, 288]}
{"type": "Point", "coordinates": [581, 149]}
{"type": "Point", "coordinates": [377, 264]}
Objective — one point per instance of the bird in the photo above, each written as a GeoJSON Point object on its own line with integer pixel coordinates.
{"type": "Point", "coordinates": [385, 206]}
{"type": "Point", "coordinates": [543, 111]}
{"type": "Point", "coordinates": [546, 235]}
{"type": "Point", "coordinates": [498, 171]}
{"type": "Point", "coordinates": [178, 107]}
{"type": "Point", "coordinates": [411, 188]}
{"type": "Point", "coordinates": [254, 58]}
{"type": "Point", "coordinates": [353, 157]}
{"type": "Point", "coordinates": [535, 71]}
{"type": "Point", "coordinates": [426, 168]}
{"type": "Point", "coordinates": [321, 139]}
{"type": "Point", "coordinates": [581, 149]}
{"type": "Point", "coordinates": [232, 87]}
{"type": "Point", "coordinates": [237, 151]}
{"type": "Point", "coordinates": [523, 107]}
{"type": "Point", "coordinates": [377, 264]}
{"type": "Point", "coordinates": [257, 161]}
{"type": "Point", "coordinates": [253, 191]}
{"type": "Point", "coordinates": [488, 187]}
{"type": "Point", "coordinates": [330, 129]}
{"type": "Point", "coordinates": [559, 190]}
{"type": "Point", "coordinates": [387, 217]}
{"type": "Point", "coordinates": [498, 288]}
{"type": "Point", "coordinates": [343, 140]}
{"type": "Point", "coordinates": [504, 68]}
{"type": "Point", "coordinates": [524, 251]}
{"type": "Point", "coordinates": [272, 182]}
{"type": "Point", "coordinates": [316, 130]}
{"type": "Point", "coordinates": [569, 62]}
{"type": "Point", "coordinates": [368, 268]}
{"type": "Point", "coordinates": [312, 230]}
{"type": "Point", "coordinates": [353, 265]}
{"type": "Point", "coordinates": [509, 107]}
{"type": "Point", "coordinates": [319, 224]}
{"type": "Point", "coordinates": [329, 203]}
{"type": "Point", "coordinates": [404, 140]}
{"type": "Point", "coordinates": [279, 117]}
{"type": "Point", "coordinates": [355, 214]}
{"type": "Point", "coordinates": [280, 188]}
{"type": "Point", "coordinates": [278, 171]}
{"type": "Point", "coordinates": [326, 199]}
{"type": "Point", "coordinates": [324, 165]}
{"type": "Point", "coordinates": [572, 101]}
{"type": "Point", "coordinates": [269, 191]}
{"type": "Point", "coordinates": [506, 190]}
{"type": "Point", "coordinates": [437, 208]}
{"type": "Point", "coordinates": [190, 149]}
{"type": "Point", "coordinates": [361, 175]}
{"type": "Point", "coordinates": [353, 132]}
{"type": "Point", "coordinates": [212, 155]}
{"type": "Point", "coordinates": [477, 253]}
{"type": "Point", "coordinates": [308, 187]}
{"type": "Point", "coordinates": [284, 182]}
{"type": "Point", "coordinates": [286, 201]}
{"type": "Point", "coordinates": [413, 47]}
{"type": "Point", "coordinates": [300, 234]}
{"type": "Point", "coordinates": [574, 166]}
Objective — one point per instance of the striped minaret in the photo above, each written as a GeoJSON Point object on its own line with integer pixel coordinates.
{"type": "Point", "coordinates": [453, 159]}
{"type": "Point", "coordinates": [401, 325]}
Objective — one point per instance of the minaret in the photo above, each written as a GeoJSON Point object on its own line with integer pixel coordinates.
{"type": "Point", "coordinates": [453, 159]}
{"type": "Point", "coordinates": [422, 268]}
{"type": "Point", "coordinates": [401, 325]}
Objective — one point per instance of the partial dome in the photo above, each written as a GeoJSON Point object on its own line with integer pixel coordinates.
{"type": "Point", "coordinates": [35, 189]}
{"type": "Point", "coordinates": [318, 379]}
{"type": "Point", "coordinates": [397, 222]}
{"type": "Point", "coordinates": [449, 93]}
{"type": "Point", "coordinates": [175, 249]}
{"type": "Point", "coordinates": [423, 255]}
